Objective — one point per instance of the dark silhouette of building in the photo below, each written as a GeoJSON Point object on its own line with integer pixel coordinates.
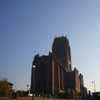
{"type": "Point", "coordinates": [72, 80]}
{"type": "Point", "coordinates": [53, 74]}
{"type": "Point", "coordinates": [61, 62]}
{"type": "Point", "coordinates": [41, 74]}
{"type": "Point", "coordinates": [61, 52]}
{"type": "Point", "coordinates": [83, 89]}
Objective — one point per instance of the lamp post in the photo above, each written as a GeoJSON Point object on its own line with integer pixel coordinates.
{"type": "Point", "coordinates": [32, 95]}
{"type": "Point", "coordinates": [33, 89]}
{"type": "Point", "coordinates": [27, 87]}
{"type": "Point", "coordinates": [94, 86]}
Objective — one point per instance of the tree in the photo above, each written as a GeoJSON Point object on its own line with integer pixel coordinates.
{"type": "Point", "coordinates": [21, 93]}
{"type": "Point", "coordinates": [5, 88]}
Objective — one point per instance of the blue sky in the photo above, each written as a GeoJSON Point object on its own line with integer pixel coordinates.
{"type": "Point", "coordinates": [28, 27]}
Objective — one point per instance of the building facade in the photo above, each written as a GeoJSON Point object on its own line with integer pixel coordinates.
{"type": "Point", "coordinates": [53, 73]}
{"type": "Point", "coordinates": [61, 62]}
{"type": "Point", "coordinates": [41, 74]}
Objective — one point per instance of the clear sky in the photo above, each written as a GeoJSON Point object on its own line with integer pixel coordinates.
{"type": "Point", "coordinates": [28, 27]}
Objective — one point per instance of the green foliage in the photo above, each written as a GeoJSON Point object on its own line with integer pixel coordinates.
{"type": "Point", "coordinates": [5, 88]}
{"type": "Point", "coordinates": [21, 93]}
{"type": "Point", "coordinates": [77, 92]}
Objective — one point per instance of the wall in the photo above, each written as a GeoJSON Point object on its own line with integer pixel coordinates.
{"type": "Point", "coordinates": [35, 98]}
{"type": "Point", "coordinates": [5, 98]}
{"type": "Point", "coordinates": [42, 98]}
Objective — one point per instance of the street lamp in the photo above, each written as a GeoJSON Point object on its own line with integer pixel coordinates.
{"type": "Point", "coordinates": [32, 95]}
{"type": "Point", "coordinates": [27, 87]}
{"type": "Point", "coordinates": [34, 66]}
{"type": "Point", "coordinates": [94, 86]}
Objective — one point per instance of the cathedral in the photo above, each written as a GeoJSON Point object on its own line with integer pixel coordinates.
{"type": "Point", "coordinates": [52, 74]}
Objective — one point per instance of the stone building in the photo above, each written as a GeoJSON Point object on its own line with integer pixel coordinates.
{"type": "Point", "coordinates": [61, 62]}
{"type": "Point", "coordinates": [41, 74]}
{"type": "Point", "coordinates": [53, 74]}
{"type": "Point", "coordinates": [72, 80]}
